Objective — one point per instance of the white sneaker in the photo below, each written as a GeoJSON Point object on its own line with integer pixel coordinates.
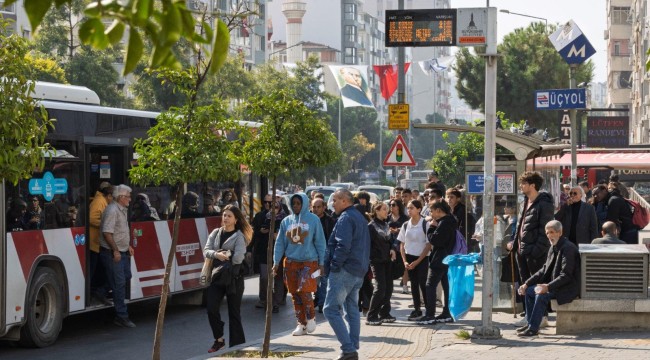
{"type": "Point", "coordinates": [521, 322]}
{"type": "Point", "coordinates": [300, 330]}
{"type": "Point", "coordinates": [311, 325]}
{"type": "Point", "coordinates": [544, 322]}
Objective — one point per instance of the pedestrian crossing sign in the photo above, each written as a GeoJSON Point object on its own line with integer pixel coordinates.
{"type": "Point", "coordinates": [399, 154]}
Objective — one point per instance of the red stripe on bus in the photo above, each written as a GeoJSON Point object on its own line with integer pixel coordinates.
{"type": "Point", "coordinates": [153, 277]}
{"type": "Point", "coordinates": [29, 245]}
{"type": "Point", "coordinates": [185, 272]}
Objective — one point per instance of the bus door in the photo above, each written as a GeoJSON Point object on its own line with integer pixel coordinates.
{"type": "Point", "coordinates": [107, 159]}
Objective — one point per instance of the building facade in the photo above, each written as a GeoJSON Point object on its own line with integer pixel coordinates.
{"type": "Point", "coordinates": [640, 79]}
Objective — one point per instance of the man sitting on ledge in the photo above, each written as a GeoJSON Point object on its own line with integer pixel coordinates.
{"type": "Point", "coordinates": [559, 279]}
{"type": "Point", "coordinates": [610, 234]}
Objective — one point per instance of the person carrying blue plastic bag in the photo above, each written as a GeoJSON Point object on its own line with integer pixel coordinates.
{"type": "Point", "coordinates": [442, 236]}
{"type": "Point", "coordinates": [461, 282]}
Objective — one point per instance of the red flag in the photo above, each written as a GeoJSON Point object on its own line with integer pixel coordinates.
{"type": "Point", "coordinates": [388, 78]}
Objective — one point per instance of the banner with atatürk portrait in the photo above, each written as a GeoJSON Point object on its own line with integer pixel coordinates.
{"type": "Point", "coordinates": [353, 84]}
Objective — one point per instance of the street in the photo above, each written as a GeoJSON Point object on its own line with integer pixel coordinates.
{"type": "Point", "coordinates": [186, 333]}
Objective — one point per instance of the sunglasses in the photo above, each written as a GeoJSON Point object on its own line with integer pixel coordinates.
{"type": "Point", "coordinates": [393, 204]}
{"type": "Point", "coordinates": [573, 193]}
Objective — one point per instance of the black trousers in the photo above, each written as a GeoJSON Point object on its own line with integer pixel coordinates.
{"type": "Point", "coordinates": [383, 289]}
{"type": "Point", "coordinates": [215, 295]}
{"type": "Point", "coordinates": [529, 265]}
{"type": "Point", "coordinates": [418, 277]}
{"type": "Point", "coordinates": [435, 276]}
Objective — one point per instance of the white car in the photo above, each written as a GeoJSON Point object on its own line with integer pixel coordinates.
{"type": "Point", "coordinates": [345, 185]}
{"type": "Point", "coordinates": [383, 192]}
{"type": "Point", "coordinates": [325, 190]}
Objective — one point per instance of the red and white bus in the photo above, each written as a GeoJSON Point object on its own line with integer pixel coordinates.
{"type": "Point", "coordinates": [44, 272]}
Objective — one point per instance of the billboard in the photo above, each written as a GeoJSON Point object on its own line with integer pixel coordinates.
{"type": "Point", "coordinates": [608, 132]}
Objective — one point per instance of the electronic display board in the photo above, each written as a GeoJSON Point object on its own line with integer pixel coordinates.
{"type": "Point", "coordinates": [430, 27]}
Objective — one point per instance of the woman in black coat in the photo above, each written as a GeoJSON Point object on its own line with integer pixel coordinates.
{"type": "Point", "coordinates": [382, 256]}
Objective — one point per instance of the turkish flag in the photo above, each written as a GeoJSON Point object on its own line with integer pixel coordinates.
{"type": "Point", "coordinates": [388, 78]}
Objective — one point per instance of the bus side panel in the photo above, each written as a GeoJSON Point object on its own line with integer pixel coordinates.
{"type": "Point", "coordinates": [189, 254]}
{"type": "Point", "coordinates": [69, 245]}
{"type": "Point", "coordinates": [16, 281]}
{"type": "Point", "coordinates": [148, 264]}
{"type": "Point", "coordinates": [24, 247]}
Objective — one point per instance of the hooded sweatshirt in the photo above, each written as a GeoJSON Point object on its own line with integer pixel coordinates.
{"type": "Point", "coordinates": [301, 236]}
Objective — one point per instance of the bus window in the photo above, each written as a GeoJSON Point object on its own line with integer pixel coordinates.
{"type": "Point", "coordinates": [54, 196]}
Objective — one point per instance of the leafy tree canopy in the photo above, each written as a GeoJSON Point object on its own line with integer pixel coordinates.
{"type": "Point", "coordinates": [44, 69]}
{"type": "Point", "coordinates": [528, 62]}
{"type": "Point", "coordinates": [24, 125]}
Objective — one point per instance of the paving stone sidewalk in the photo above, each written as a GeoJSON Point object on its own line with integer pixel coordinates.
{"type": "Point", "coordinates": [407, 340]}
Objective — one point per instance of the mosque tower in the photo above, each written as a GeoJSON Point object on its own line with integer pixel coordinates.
{"type": "Point", "coordinates": [294, 10]}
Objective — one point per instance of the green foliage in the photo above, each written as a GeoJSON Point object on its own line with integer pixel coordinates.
{"type": "Point", "coordinates": [356, 148]}
{"type": "Point", "coordinates": [450, 162]}
{"type": "Point", "coordinates": [188, 145]}
{"type": "Point", "coordinates": [162, 24]}
{"type": "Point", "coordinates": [94, 69]}
{"type": "Point", "coordinates": [290, 138]}
{"type": "Point", "coordinates": [528, 62]}
{"type": "Point", "coordinates": [232, 82]}
{"type": "Point", "coordinates": [44, 69]}
{"type": "Point", "coordinates": [24, 125]}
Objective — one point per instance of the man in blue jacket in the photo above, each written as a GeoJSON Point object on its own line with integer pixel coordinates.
{"type": "Point", "coordinates": [347, 261]}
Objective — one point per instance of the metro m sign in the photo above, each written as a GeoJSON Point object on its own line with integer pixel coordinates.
{"type": "Point", "coordinates": [572, 44]}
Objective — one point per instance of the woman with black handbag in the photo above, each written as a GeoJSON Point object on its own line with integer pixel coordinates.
{"type": "Point", "coordinates": [227, 246]}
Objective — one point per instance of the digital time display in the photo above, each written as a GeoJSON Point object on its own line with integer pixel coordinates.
{"type": "Point", "coordinates": [431, 27]}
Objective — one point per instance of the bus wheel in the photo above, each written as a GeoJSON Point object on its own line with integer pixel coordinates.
{"type": "Point", "coordinates": [43, 311]}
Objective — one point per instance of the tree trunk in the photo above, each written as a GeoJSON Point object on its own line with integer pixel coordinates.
{"type": "Point", "coordinates": [270, 278]}
{"type": "Point", "coordinates": [168, 269]}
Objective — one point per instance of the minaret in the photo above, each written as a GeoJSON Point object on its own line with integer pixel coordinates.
{"type": "Point", "coordinates": [294, 10]}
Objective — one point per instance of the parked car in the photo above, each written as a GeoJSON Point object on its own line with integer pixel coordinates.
{"type": "Point", "coordinates": [383, 192]}
{"type": "Point", "coordinates": [325, 190]}
{"type": "Point", "coordinates": [345, 185]}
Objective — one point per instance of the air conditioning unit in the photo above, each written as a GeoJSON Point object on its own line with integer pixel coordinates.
{"type": "Point", "coordinates": [614, 271]}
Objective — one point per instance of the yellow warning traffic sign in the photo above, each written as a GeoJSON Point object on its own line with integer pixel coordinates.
{"type": "Point", "coordinates": [398, 116]}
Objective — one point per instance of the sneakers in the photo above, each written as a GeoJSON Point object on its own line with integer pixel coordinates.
{"type": "Point", "coordinates": [544, 323]}
{"type": "Point", "coordinates": [415, 315]}
{"type": "Point", "coordinates": [387, 319]}
{"type": "Point", "coordinates": [444, 318]}
{"type": "Point", "coordinates": [528, 333]}
{"type": "Point", "coordinates": [521, 322]}
{"type": "Point", "coordinates": [373, 321]}
{"type": "Point", "coordinates": [311, 325]}
{"type": "Point", "coordinates": [260, 305]}
{"type": "Point", "coordinates": [218, 345]}
{"type": "Point", "coordinates": [427, 320]}
{"type": "Point", "coordinates": [405, 289]}
{"type": "Point", "coordinates": [521, 329]}
{"type": "Point", "coordinates": [102, 299]}
{"type": "Point", "coordinates": [300, 330]}
{"type": "Point", "coordinates": [123, 322]}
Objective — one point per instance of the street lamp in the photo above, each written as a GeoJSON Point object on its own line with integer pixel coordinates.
{"type": "Point", "coordinates": [505, 11]}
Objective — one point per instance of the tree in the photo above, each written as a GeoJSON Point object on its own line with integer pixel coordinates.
{"type": "Point", "coordinates": [528, 62]}
{"type": "Point", "coordinates": [163, 22]}
{"type": "Point", "coordinates": [356, 148]}
{"type": "Point", "coordinates": [175, 150]}
{"type": "Point", "coordinates": [58, 33]}
{"type": "Point", "coordinates": [44, 69]}
{"type": "Point", "coordinates": [290, 138]}
{"type": "Point", "coordinates": [24, 125]}
{"type": "Point", "coordinates": [94, 69]}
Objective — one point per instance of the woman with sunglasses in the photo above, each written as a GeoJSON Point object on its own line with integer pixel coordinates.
{"type": "Point", "coordinates": [414, 249]}
{"type": "Point", "coordinates": [578, 218]}
{"type": "Point", "coordinates": [396, 218]}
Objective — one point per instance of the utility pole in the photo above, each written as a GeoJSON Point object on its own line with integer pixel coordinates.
{"type": "Point", "coordinates": [487, 328]}
{"type": "Point", "coordinates": [574, 129]}
{"type": "Point", "coordinates": [401, 86]}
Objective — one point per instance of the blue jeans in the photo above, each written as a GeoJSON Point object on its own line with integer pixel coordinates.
{"type": "Point", "coordinates": [342, 299]}
{"type": "Point", "coordinates": [117, 274]}
{"type": "Point", "coordinates": [536, 305]}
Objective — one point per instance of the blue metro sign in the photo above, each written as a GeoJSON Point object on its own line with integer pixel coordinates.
{"type": "Point", "coordinates": [572, 44]}
{"type": "Point", "coordinates": [48, 186]}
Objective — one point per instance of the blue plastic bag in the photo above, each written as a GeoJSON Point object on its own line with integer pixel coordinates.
{"type": "Point", "coordinates": [461, 282]}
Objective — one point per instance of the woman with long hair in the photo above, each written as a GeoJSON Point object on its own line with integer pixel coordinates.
{"type": "Point", "coordinates": [228, 243]}
{"type": "Point", "coordinates": [381, 257]}
{"type": "Point", "coordinates": [395, 220]}
{"type": "Point", "coordinates": [414, 249]}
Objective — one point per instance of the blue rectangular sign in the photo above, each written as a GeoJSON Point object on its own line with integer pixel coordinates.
{"type": "Point", "coordinates": [560, 99]}
{"type": "Point", "coordinates": [504, 183]}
